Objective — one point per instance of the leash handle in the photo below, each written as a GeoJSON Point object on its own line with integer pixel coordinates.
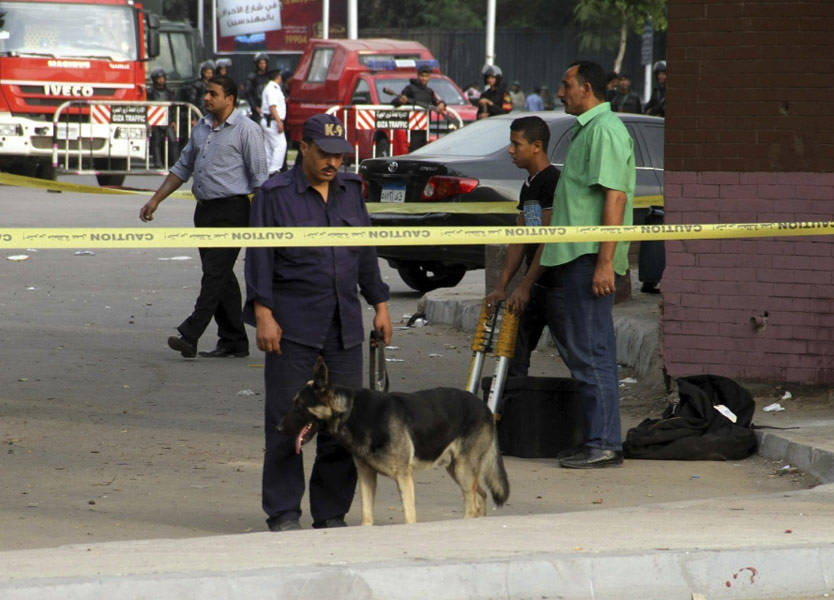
{"type": "Point", "coordinates": [377, 372]}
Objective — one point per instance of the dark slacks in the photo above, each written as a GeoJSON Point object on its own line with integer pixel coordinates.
{"type": "Point", "coordinates": [531, 324]}
{"type": "Point", "coordinates": [333, 480]}
{"type": "Point", "coordinates": [220, 296]}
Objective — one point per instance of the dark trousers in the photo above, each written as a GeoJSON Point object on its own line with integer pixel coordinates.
{"type": "Point", "coordinates": [159, 137]}
{"type": "Point", "coordinates": [583, 327]}
{"type": "Point", "coordinates": [220, 296]}
{"type": "Point", "coordinates": [333, 479]}
{"type": "Point", "coordinates": [531, 324]}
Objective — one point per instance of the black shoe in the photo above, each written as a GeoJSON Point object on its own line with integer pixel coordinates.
{"type": "Point", "coordinates": [328, 523]}
{"type": "Point", "coordinates": [183, 346]}
{"type": "Point", "coordinates": [221, 352]}
{"type": "Point", "coordinates": [286, 525]}
{"type": "Point", "coordinates": [570, 452]}
{"type": "Point", "coordinates": [593, 458]}
{"type": "Point", "coordinates": [649, 288]}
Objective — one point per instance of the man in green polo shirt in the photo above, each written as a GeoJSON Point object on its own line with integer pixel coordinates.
{"type": "Point", "coordinates": [596, 187]}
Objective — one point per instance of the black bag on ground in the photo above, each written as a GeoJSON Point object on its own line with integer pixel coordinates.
{"type": "Point", "coordinates": [540, 417]}
{"type": "Point", "coordinates": [694, 429]}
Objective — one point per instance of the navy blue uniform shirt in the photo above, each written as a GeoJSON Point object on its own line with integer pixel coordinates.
{"type": "Point", "coordinates": [307, 287]}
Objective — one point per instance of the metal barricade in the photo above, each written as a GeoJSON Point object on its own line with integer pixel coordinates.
{"type": "Point", "coordinates": [91, 137]}
{"type": "Point", "coordinates": [388, 118]}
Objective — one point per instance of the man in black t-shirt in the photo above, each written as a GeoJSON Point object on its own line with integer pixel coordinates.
{"type": "Point", "coordinates": [529, 138]}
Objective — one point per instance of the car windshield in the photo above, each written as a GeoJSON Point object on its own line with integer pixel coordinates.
{"type": "Point", "coordinates": [441, 87]}
{"type": "Point", "coordinates": [480, 138]}
{"type": "Point", "coordinates": [68, 30]}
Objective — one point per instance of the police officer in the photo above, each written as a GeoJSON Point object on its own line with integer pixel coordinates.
{"type": "Point", "coordinates": [419, 93]}
{"type": "Point", "coordinates": [222, 66]}
{"type": "Point", "coordinates": [305, 303]}
{"type": "Point", "coordinates": [274, 113]}
{"type": "Point", "coordinates": [255, 83]}
{"type": "Point", "coordinates": [160, 92]}
{"type": "Point", "coordinates": [197, 92]}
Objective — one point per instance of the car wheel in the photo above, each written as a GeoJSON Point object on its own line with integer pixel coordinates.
{"type": "Point", "coordinates": [425, 277]}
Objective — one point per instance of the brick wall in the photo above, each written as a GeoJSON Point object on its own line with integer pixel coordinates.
{"type": "Point", "coordinates": [750, 137]}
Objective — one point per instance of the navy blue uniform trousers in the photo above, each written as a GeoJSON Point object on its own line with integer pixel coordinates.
{"type": "Point", "coordinates": [333, 480]}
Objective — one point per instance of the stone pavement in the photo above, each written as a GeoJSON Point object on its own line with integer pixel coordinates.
{"type": "Point", "coordinates": [757, 547]}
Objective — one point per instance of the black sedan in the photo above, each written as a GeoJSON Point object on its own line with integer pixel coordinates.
{"type": "Point", "coordinates": [473, 165]}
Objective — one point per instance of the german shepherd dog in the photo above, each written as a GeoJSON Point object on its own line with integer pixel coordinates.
{"type": "Point", "coordinates": [397, 433]}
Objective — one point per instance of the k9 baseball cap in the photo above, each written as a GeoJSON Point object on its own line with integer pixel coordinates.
{"type": "Point", "coordinates": [327, 132]}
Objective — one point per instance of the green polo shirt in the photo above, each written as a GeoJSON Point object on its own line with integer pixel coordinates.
{"type": "Point", "coordinates": [600, 155]}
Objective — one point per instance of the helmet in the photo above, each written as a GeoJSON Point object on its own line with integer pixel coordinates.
{"type": "Point", "coordinates": [492, 70]}
{"type": "Point", "coordinates": [223, 62]}
{"type": "Point", "coordinates": [206, 65]}
{"type": "Point", "coordinates": [659, 66]}
{"type": "Point", "coordinates": [157, 73]}
{"type": "Point", "coordinates": [261, 56]}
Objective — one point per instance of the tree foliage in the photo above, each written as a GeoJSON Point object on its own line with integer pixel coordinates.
{"type": "Point", "coordinates": [462, 14]}
{"type": "Point", "coordinates": [605, 24]}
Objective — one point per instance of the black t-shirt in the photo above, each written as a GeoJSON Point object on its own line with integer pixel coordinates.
{"type": "Point", "coordinates": [538, 189]}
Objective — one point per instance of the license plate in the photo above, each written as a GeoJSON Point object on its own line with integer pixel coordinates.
{"type": "Point", "coordinates": [393, 193]}
{"type": "Point", "coordinates": [67, 134]}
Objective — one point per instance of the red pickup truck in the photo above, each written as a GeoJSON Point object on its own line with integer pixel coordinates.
{"type": "Point", "coordinates": [369, 72]}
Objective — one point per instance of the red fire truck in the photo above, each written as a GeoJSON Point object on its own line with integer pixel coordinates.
{"type": "Point", "coordinates": [337, 74]}
{"type": "Point", "coordinates": [54, 51]}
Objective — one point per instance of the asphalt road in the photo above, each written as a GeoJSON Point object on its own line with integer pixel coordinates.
{"type": "Point", "coordinates": [106, 434]}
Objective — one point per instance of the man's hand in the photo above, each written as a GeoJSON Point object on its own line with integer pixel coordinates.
{"type": "Point", "coordinates": [267, 330]}
{"type": "Point", "coordinates": [603, 282]}
{"type": "Point", "coordinates": [382, 321]}
{"type": "Point", "coordinates": [519, 299]}
{"type": "Point", "coordinates": [441, 107]}
{"type": "Point", "coordinates": [492, 300]}
{"type": "Point", "coordinates": [485, 101]}
{"type": "Point", "coordinates": [147, 211]}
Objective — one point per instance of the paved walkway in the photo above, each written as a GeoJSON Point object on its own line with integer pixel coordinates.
{"type": "Point", "coordinates": [770, 546]}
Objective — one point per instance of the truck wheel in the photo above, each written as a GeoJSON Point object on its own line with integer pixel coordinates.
{"type": "Point", "coordinates": [425, 277]}
{"type": "Point", "coordinates": [46, 171]}
{"type": "Point", "coordinates": [111, 180]}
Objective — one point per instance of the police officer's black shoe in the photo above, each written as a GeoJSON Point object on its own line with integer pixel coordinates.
{"type": "Point", "coordinates": [183, 346]}
{"type": "Point", "coordinates": [328, 523]}
{"type": "Point", "coordinates": [222, 352]}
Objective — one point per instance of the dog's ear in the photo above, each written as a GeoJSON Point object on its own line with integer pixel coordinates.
{"type": "Point", "coordinates": [320, 378]}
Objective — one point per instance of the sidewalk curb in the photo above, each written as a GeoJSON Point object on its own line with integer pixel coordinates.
{"type": "Point", "coordinates": [738, 574]}
{"type": "Point", "coordinates": [814, 461]}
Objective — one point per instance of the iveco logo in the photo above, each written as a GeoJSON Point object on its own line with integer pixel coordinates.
{"type": "Point", "coordinates": [393, 166]}
{"type": "Point", "coordinates": [67, 89]}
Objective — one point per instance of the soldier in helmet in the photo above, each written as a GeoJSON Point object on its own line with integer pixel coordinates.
{"type": "Point", "coordinates": [222, 66]}
{"type": "Point", "coordinates": [160, 92]}
{"type": "Point", "coordinates": [494, 100]}
{"type": "Point", "coordinates": [657, 104]}
{"type": "Point", "coordinates": [255, 83]}
{"type": "Point", "coordinates": [198, 88]}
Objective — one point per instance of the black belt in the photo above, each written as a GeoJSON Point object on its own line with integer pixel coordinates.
{"type": "Point", "coordinates": [207, 200]}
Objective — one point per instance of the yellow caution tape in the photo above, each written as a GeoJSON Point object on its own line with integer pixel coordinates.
{"type": "Point", "coordinates": [165, 237]}
{"type": "Point", "coordinates": [65, 186]}
{"type": "Point", "coordinates": [410, 208]}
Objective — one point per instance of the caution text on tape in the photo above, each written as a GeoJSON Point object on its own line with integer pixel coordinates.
{"type": "Point", "coordinates": [164, 237]}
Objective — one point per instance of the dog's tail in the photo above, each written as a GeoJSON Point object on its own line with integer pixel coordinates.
{"type": "Point", "coordinates": [495, 476]}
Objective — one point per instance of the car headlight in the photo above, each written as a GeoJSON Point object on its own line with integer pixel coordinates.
{"type": "Point", "coordinates": [131, 133]}
{"type": "Point", "coordinates": [10, 129]}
